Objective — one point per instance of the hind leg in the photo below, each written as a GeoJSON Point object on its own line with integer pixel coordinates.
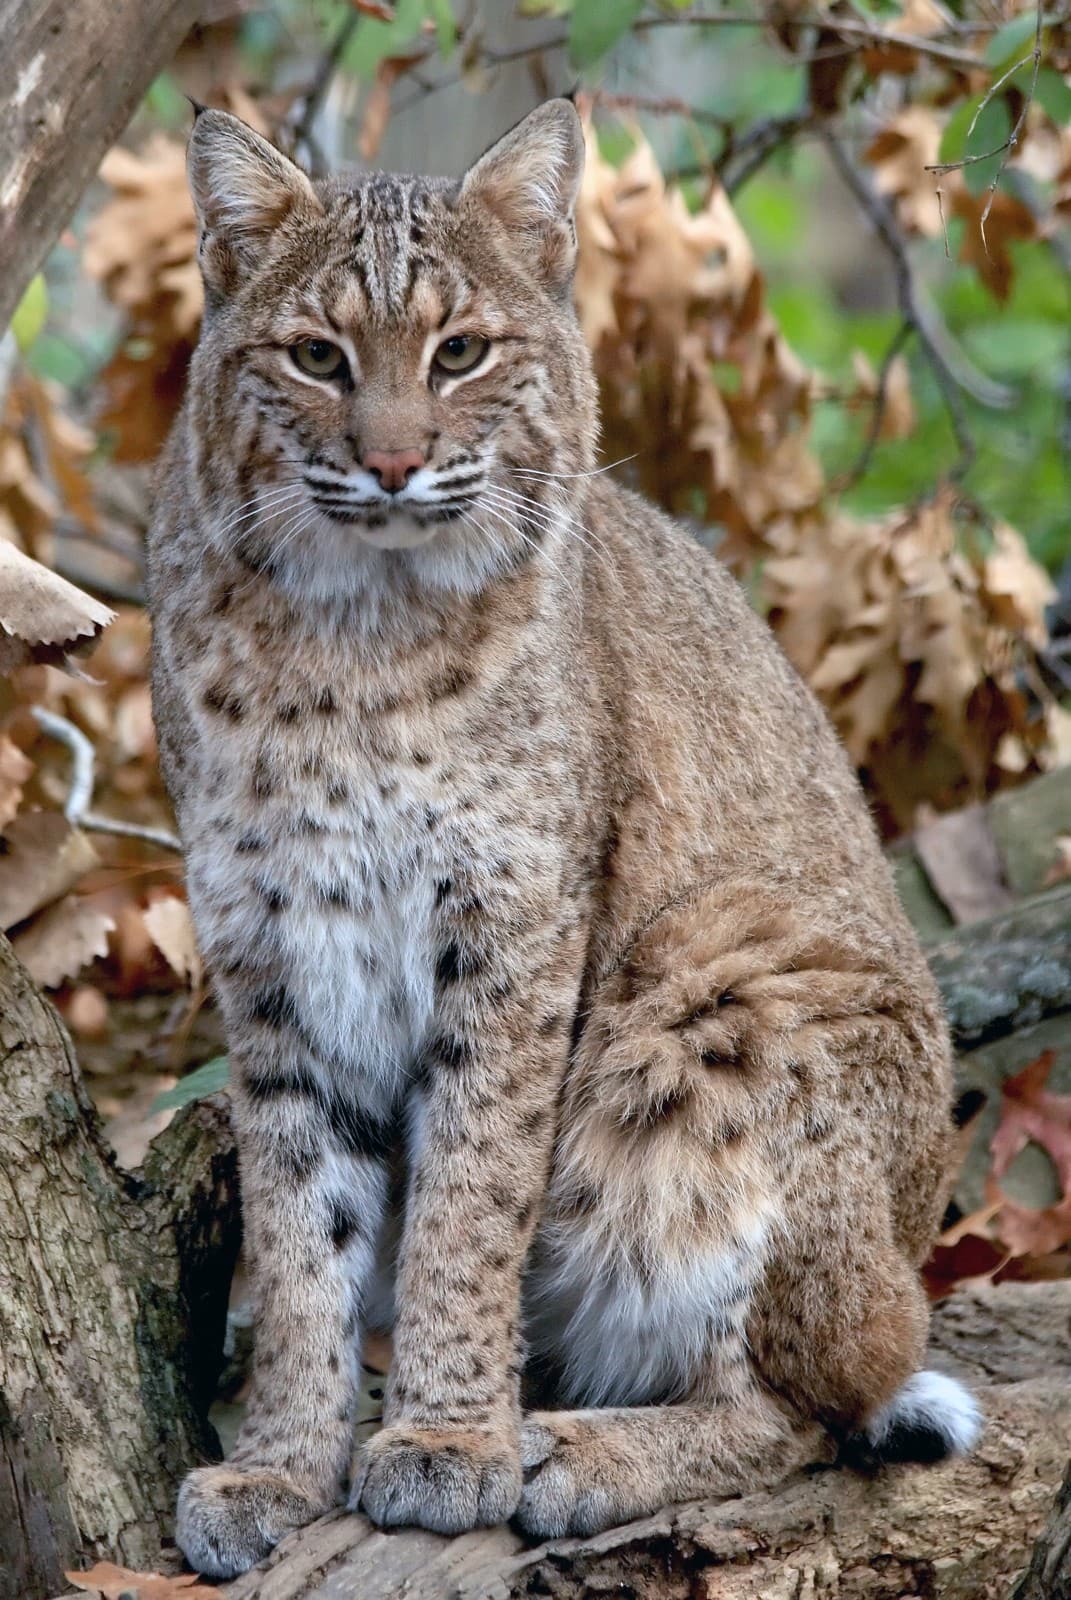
{"type": "Point", "coordinates": [721, 1225]}
{"type": "Point", "coordinates": [586, 1470]}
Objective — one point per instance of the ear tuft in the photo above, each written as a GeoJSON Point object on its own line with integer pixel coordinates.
{"type": "Point", "coordinates": [242, 190]}
{"type": "Point", "coordinates": [531, 177]}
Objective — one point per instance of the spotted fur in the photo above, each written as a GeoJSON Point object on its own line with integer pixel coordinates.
{"type": "Point", "coordinates": [576, 1032]}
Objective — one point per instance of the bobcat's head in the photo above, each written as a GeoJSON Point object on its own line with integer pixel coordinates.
{"type": "Point", "coordinates": [390, 371]}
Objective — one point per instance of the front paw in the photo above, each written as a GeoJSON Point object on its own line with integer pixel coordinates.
{"type": "Point", "coordinates": [228, 1519]}
{"type": "Point", "coordinates": [450, 1481]}
{"type": "Point", "coordinates": [565, 1489]}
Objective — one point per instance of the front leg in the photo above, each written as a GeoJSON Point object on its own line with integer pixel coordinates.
{"type": "Point", "coordinates": [312, 1206]}
{"type": "Point", "coordinates": [481, 1138]}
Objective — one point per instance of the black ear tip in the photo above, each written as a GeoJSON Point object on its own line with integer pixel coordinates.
{"type": "Point", "coordinates": [571, 94]}
{"type": "Point", "coordinates": [197, 106]}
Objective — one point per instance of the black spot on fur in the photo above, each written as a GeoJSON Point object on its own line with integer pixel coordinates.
{"type": "Point", "coordinates": [275, 1008]}
{"type": "Point", "coordinates": [344, 1225]}
{"type": "Point", "coordinates": [219, 698]}
{"type": "Point", "coordinates": [360, 1134]}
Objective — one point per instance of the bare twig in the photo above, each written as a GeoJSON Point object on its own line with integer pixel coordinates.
{"type": "Point", "coordinates": [309, 108]}
{"type": "Point", "coordinates": [667, 107]}
{"type": "Point", "coordinates": [80, 792]}
{"type": "Point", "coordinates": [918, 317]}
{"type": "Point", "coordinates": [754, 147]}
{"type": "Point", "coordinates": [1004, 150]}
{"type": "Point", "coordinates": [877, 414]}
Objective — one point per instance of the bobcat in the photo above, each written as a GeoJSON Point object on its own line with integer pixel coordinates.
{"type": "Point", "coordinates": [576, 1032]}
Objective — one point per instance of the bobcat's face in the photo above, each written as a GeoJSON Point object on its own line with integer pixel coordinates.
{"type": "Point", "coordinates": [391, 364]}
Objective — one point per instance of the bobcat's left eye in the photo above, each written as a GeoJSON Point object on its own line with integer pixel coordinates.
{"type": "Point", "coordinates": [461, 353]}
{"type": "Point", "coordinates": [319, 358]}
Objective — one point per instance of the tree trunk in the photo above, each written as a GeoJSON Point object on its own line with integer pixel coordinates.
{"type": "Point", "coordinates": [103, 1277]}
{"type": "Point", "coordinates": [1048, 1576]}
{"type": "Point", "coordinates": [70, 78]}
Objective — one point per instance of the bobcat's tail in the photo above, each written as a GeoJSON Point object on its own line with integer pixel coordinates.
{"type": "Point", "coordinates": [930, 1417]}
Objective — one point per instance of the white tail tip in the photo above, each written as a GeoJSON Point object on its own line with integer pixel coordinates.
{"type": "Point", "coordinates": [931, 1417]}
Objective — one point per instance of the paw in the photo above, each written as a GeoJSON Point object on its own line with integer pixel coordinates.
{"type": "Point", "coordinates": [562, 1494]}
{"type": "Point", "coordinates": [449, 1481]}
{"type": "Point", "coordinates": [228, 1519]}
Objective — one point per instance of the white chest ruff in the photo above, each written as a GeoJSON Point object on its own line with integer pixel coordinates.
{"type": "Point", "coordinates": [343, 914]}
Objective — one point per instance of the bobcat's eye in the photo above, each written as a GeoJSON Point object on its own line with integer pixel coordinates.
{"type": "Point", "coordinates": [319, 358]}
{"type": "Point", "coordinates": [461, 353]}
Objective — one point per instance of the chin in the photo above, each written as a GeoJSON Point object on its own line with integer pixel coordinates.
{"type": "Point", "coordinates": [397, 533]}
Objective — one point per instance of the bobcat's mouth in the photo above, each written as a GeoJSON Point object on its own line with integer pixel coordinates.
{"type": "Point", "coordinates": [387, 525]}
{"type": "Point", "coordinates": [395, 521]}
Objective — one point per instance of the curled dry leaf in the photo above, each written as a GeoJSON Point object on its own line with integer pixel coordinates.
{"type": "Point", "coordinates": [899, 155]}
{"type": "Point", "coordinates": [120, 1583]}
{"type": "Point", "coordinates": [63, 939]}
{"type": "Point", "coordinates": [1031, 1114]}
{"type": "Point", "coordinates": [989, 252]}
{"type": "Point", "coordinates": [42, 616]}
{"type": "Point", "coordinates": [170, 927]}
{"type": "Point", "coordinates": [15, 769]}
{"type": "Point", "coordinates": [43, 857]}
{"type": "Point", "coordinates": [898, 418]}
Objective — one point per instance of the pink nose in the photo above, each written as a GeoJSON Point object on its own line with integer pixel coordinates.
{"type": "Point", "coordinates": [393, 468]}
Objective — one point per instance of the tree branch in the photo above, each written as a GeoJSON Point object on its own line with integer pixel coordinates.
{"type": "Point", "coordinates": [918, 318]}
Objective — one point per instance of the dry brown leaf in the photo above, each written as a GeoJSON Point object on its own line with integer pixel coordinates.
{"type": "Point", "coordinates": [42, 858]}
{"type": "Point", "coordinates": [1030, 1114]}
{"type": "Point", "coordinates": [61, 940]}
{"type": "Point", "coordinates": [900, 154]}
{"type": "Point", "coordinates": [42, 616]}
{"type": "Point", "coordinates": [114, 1583]}
{"type": "Point", "coordinates": [989, 252]}
{"type": "Point", "coordinates": [898, 417]}
{"type": "Point", "coordinates": [15, 769]}
{"type": "Point", "coordinates": [1060, 870]}
{"type": "Point", "coordinates": [376, 113]}
{"type": "Point", "coordinates": [170, 928]}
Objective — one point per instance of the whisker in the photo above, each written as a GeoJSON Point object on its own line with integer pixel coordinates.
{"type": "Point", "coordinates": [593, 472]}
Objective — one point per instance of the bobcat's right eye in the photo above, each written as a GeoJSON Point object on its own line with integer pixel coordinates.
{"type": "Point", "coordinates": [319, 358]}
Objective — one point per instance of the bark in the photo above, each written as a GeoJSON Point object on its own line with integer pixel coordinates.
{"type": "Point", "coordinates": [1048, 1576]}
{"type": "Point", "coordinates": [1008, 972]}
{"type": "Point", "coordinates": [113, 1291]}
{"type": "Point", "coordinates": [70, 78]}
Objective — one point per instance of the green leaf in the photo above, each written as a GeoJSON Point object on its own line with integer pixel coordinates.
{"type": "Point", "coordinates": [167, 102]}
{"type": "Point", "coordinates": [596, 25]}
{"type": "Point", "coordinates": [1010, 43]}
{"type": "Point", "coordinates": [206, 1080]}
{"type": "Point", "coordinates": [989, 132]}
{"type": "Point", "coordinates": [374, 41]}
{"type": "Point", "coordinates": [441, 13]}
{"type": "Point", "coordinates": [1053, 93]}
{"type": "Point", "coordinates": [31, 313]}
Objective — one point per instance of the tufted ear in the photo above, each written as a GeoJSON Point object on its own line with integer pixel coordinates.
{"type": "Point", "coordinates": [530, 180]}
{"type": "Point", "coordinates": [242, 189]}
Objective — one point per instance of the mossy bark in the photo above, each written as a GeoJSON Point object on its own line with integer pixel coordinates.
{"type": "Point", "coordinates": [113, 1292]}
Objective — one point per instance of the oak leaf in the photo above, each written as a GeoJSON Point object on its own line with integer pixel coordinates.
{"type": "Point", "coordinates": [1031, 1114]}
{"type": "Point", "coordinates": [62, 939]}
{"type": "Point", "coordinates": [119, 1583]}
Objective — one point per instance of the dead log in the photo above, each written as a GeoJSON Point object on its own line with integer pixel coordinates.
{"type": "Point", "coordinates": [70, 79]}
{"type": "Point", "coordinates": [113, 1294]}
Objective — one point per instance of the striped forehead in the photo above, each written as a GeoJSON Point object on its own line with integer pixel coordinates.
{"type": "Point", "coordinates": [390, 259]}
